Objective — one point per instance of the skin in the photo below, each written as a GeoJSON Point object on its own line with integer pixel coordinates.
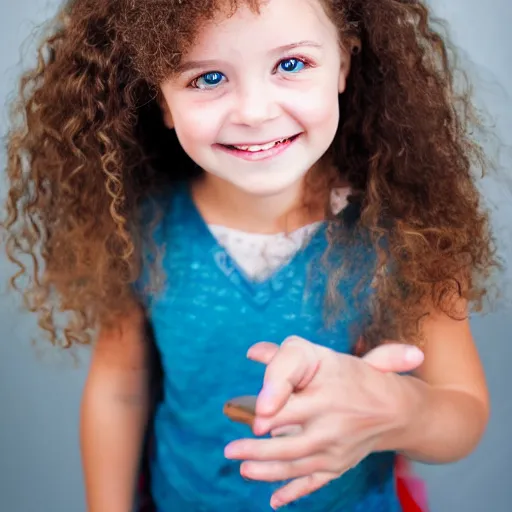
{"type": "Point", "coordinates": [346, 407]}
{"type": "Point", "coordinates": [114, 414]}
{"type": "Point", "coordinates": [438, 415]}
{"type": "Point", "coordinates": [256, 103]}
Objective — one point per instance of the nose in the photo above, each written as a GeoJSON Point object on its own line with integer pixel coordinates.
{"type": "Point", "coordinates": [255, 104]}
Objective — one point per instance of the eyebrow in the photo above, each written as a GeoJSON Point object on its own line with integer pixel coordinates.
{"type": "Point", "coordinates": [199, 64]}
{"type": "Point", "coordinates": [288, 47]}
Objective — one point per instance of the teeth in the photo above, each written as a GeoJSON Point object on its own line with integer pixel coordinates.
{"type": "Point", "coordinates": [263, 147]}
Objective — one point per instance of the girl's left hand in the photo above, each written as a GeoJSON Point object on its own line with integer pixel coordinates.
{"type": "Point", "coordinates": [339, 406]}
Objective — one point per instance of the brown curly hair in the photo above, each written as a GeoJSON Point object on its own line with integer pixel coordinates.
{"type": "Point", "coordinates": [88, 145]}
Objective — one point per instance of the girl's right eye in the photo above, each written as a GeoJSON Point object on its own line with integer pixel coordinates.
{"type": "Point", "coordinates": [209, 80]}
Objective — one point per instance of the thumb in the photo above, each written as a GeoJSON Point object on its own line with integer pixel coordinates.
{"type": "Point", "coordinates": [394, 357]}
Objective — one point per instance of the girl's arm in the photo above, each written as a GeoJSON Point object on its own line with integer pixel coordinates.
{"type": "Point", "coordinates": [114, 415]}
{"type": "Point", "coordinates": [446, 401]}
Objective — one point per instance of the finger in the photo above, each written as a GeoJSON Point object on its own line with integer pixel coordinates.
{"type": "Point", "coordinates": [280, 471]}
{"type": "Point", "coordinates": [394, 357]}
{"type": "Point", "coordinates": [300, 409]}
{"type": "Point", "coordinates": [287, 430]}
{"type": "Point", "coordinates": [292, 368]}
{"type": "Point", "coordinates": [277, 448]}
{"type": "Point", "coordinates": [299, 488]}
{"type": "Point", "coordinates": [263, 352]}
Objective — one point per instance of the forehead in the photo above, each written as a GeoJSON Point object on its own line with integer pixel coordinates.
{"type": "Point", "coordinates": [157, 34]}
{"type": "Point", "coordinates": [274, 23]}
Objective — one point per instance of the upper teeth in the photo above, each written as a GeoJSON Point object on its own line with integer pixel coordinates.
{"type": "Point", "coordinates": [262, 147]}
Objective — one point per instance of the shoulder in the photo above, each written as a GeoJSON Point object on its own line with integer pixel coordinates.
{"type": "Point", "coordinates": [121, 344]}
{"type": "Point", "coordinates": [159, 209]}
{"type": "Point", "coordinates": [149, 235]}
{"type": "Point", "coordinates": [161, 230]}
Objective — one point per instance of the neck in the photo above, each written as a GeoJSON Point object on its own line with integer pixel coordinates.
{"type": "Point", "coordinates": [224, 204]}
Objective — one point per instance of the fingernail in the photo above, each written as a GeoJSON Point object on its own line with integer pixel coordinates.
{"type": "Point", "coordinates": [229, 452]}
{"type": "Point", "coordinates": [275, 503]}
{"type": "Point", "coordinates": [414, 355]}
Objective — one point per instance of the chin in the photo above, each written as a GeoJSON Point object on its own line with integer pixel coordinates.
{"type": "Point", "coordinates": [271, 185]}
{"type": "Point", "coordinates": [266, 190]}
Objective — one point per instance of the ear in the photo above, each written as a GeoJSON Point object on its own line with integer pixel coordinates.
{"type": "Point", "coordinates": [344, 71]}
{"type": "Point", "coordinates": [346, 59]}
{"type": "Point", "coordinates": [166, 112]}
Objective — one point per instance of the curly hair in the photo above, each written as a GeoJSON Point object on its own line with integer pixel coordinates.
{"type": "Point", "coordinates": [88, 146]}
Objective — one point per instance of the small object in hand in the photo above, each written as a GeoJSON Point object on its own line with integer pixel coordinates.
{"type": "Point", "coordinates": [241, 409]}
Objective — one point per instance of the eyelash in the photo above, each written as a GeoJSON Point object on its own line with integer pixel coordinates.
{"type": "Point", "coordinates": [304, 60]}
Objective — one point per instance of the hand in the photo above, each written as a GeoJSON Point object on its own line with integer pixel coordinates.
{"type": "Point", "coordinates": [343, 405]}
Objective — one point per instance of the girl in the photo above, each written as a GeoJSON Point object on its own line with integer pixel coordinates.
{"type": "Point", "coordinates": [233, 175]}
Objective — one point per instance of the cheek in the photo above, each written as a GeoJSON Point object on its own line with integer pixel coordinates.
{"type": "Point", "coordinates": [195, 125]}
{"type": "Point", "coordinates": [318, 110]}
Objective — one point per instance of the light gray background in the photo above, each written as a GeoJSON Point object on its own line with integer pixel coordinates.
{"type": "Point", "coordinates": [40, 388]}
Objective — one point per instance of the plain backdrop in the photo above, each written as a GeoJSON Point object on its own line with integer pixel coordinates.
{"type": "Point", "coordinates": [40, 388]}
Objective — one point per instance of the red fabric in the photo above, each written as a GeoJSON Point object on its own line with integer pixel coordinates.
{"type": "Point", "coordinates": [405, 482]}
{"type": "Point", "coordinates": [405, 497]}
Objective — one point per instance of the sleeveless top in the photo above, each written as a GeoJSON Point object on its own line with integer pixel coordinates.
{"type": "Point", "coordinates": [204, 318]}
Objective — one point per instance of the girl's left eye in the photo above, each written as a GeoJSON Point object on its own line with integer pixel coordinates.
{"type": "Point", "coordinates": [291, 65]}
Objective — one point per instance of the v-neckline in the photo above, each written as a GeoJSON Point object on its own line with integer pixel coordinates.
{"type": "Point", "coordinates": [258, 292]}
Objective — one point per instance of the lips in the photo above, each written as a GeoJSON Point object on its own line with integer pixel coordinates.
{"type": "Point", "coordinates": [259, 152]}
{"type": "Point", "coordinates": [255, 148]}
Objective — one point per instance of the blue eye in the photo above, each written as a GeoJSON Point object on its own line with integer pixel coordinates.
{"type": "Point", "coordinates": [291, 65]}
{"type": "Point", "coordinates": [209, 80]}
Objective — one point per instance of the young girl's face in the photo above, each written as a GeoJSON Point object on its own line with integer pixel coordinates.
{"type": "Point", "coordinates": [255, 101]}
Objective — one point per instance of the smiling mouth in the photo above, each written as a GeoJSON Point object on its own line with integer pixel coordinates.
{"type": "Point", "coordinates": [257, 148]}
